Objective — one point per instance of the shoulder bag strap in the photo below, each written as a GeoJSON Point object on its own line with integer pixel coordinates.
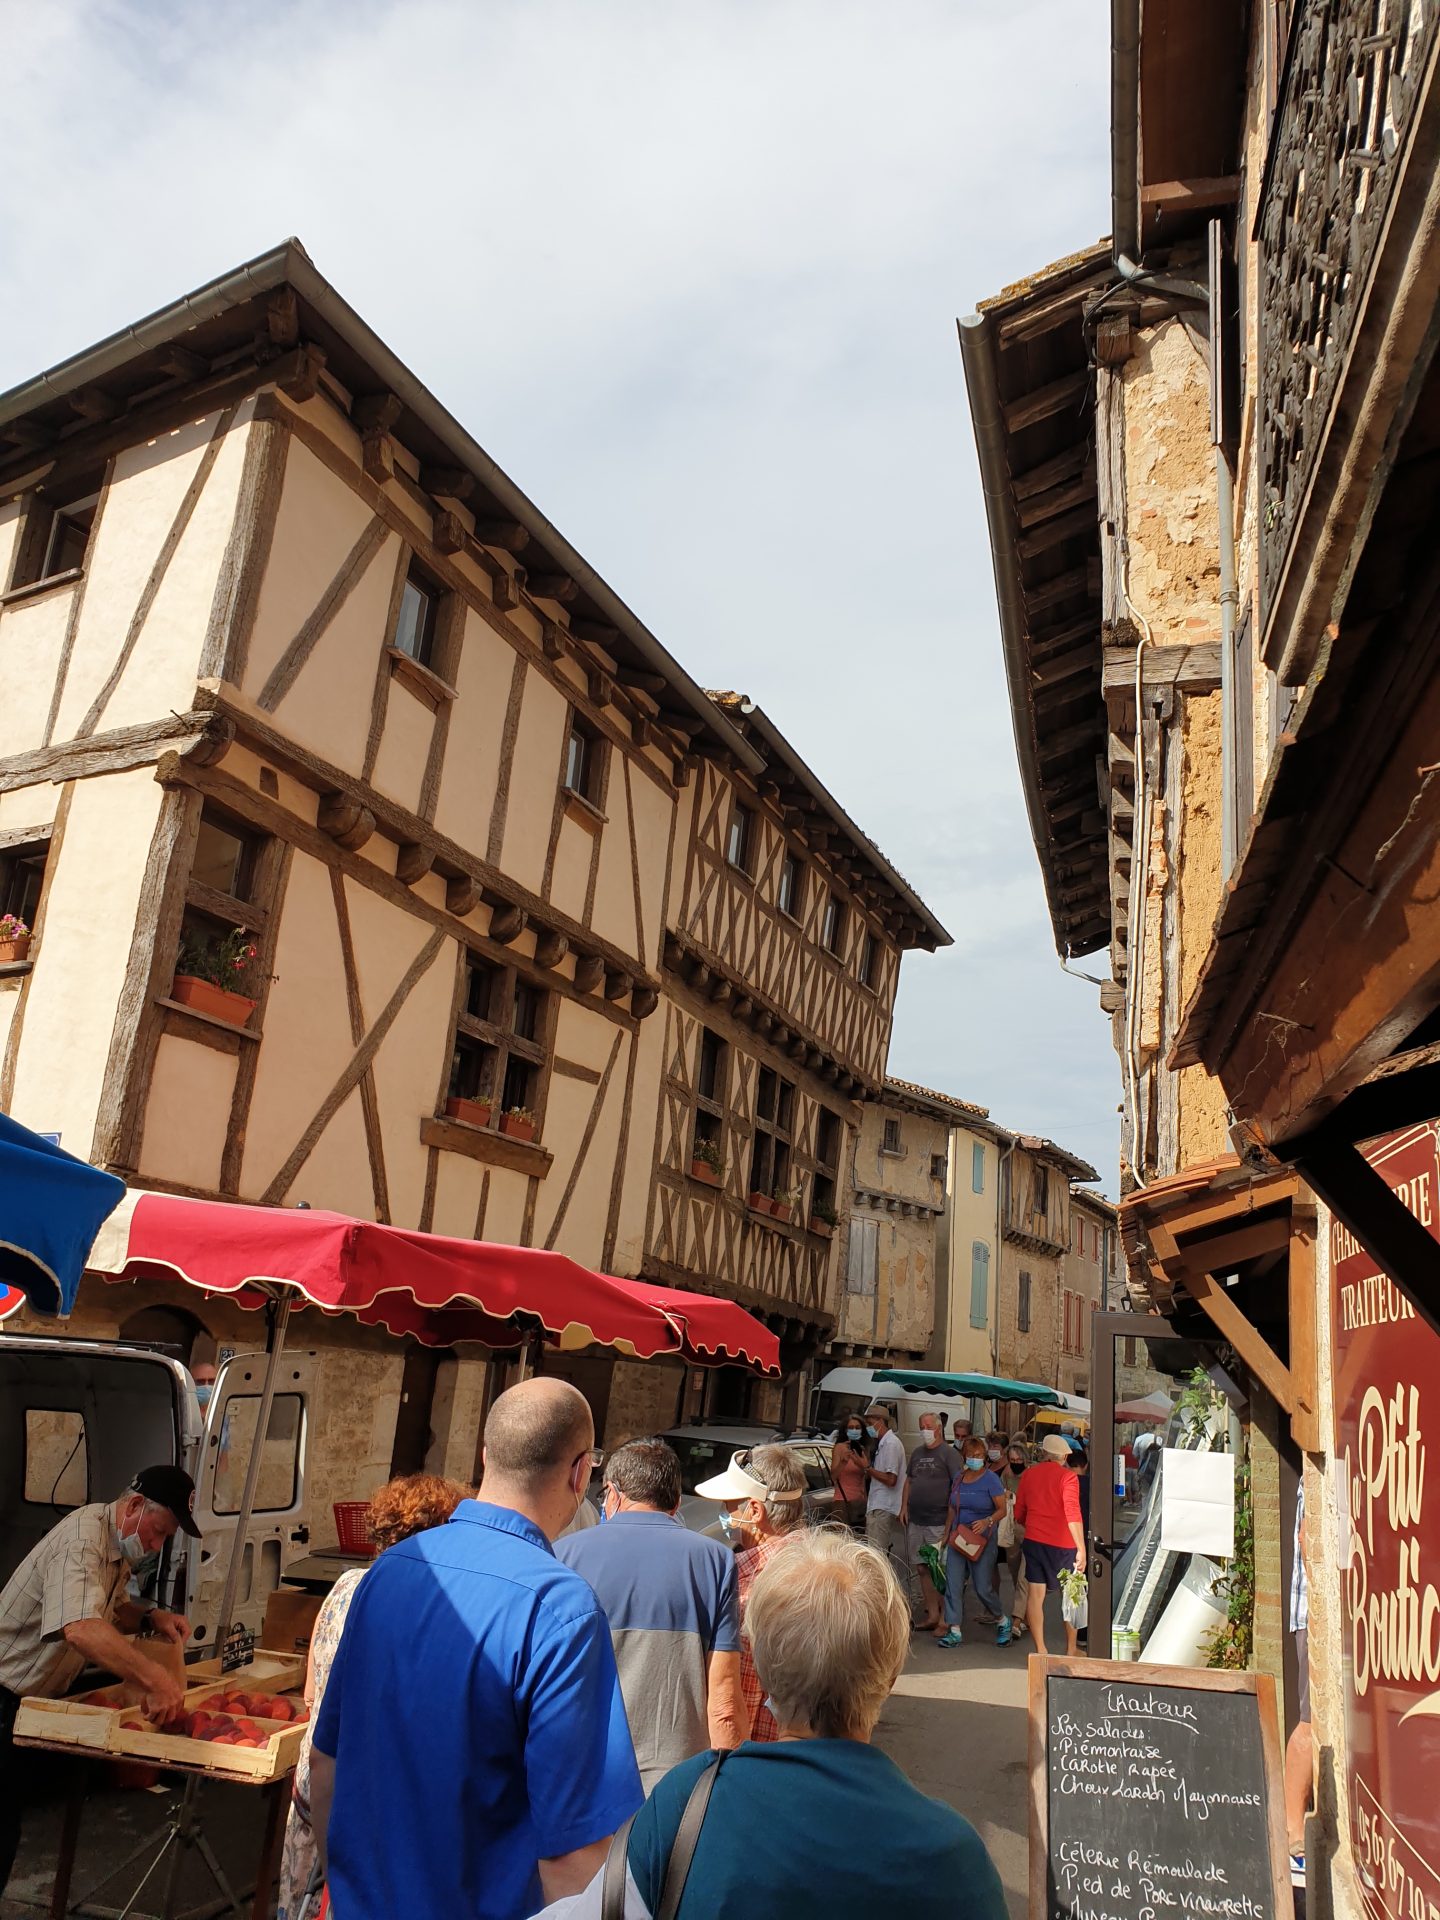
{"type": "Point", "coordinates": [612, 1891]}
{"type": "Point", "coordinates": [686, 1835]}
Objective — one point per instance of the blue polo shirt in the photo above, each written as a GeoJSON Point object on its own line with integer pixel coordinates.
{"type": "Point", "coordinates": [475, 1718]}
{"type": "Point", "coordinates": [672, 1599]}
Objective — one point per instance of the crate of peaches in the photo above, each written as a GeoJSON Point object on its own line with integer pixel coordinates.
{"type": "Point", "coordinates": [249, 1724]}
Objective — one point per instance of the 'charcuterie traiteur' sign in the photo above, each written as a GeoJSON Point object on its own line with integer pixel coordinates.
{"type": "Point", "coordinates": [1387, 1410]}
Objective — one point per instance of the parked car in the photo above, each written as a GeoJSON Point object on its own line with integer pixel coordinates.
{"type": "Point", "coordinates": [706, 1450]}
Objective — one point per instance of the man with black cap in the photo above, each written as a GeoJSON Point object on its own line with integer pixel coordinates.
{"type": "Point", "coordinates": [68, 1605]}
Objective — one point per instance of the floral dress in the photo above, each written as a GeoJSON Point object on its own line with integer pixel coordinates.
{"type": "Point", "coordinates": [300, 1854]}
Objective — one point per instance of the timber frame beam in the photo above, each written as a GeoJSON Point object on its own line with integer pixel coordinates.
{"type": "Point", "coordinates": [1195, 1242]}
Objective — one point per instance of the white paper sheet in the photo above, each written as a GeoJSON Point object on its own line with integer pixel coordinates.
{"type": "Point", "coordinates": [1197, 1502]}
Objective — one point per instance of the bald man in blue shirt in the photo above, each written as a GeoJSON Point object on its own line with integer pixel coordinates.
{"type": "Point", "coordinates": [472, 1754]}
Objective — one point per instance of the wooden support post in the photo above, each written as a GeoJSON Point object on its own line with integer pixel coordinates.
{"type": "Point", "coordinates": [551, 949]}
{"type": "Point", "coordinates": [589, 972]}
{"type": "Point", "coordinates": [1304, 1369]}
{"type": "Point", "coordinates": [462, 895]}
{"type": "Point", "coordinates": [413, 862]}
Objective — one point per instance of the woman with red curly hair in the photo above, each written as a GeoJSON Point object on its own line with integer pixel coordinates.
{"type": "Point", "coordinates": [412, 1504]}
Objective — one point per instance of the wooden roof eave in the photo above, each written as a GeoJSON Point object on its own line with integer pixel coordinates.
{"type": "Point", "coordinates": [1080, 927]}
{"type": "Point", "coordinates": [289, 265]}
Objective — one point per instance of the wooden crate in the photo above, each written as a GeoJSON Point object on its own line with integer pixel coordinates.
{"type": "Point", "coordinates": [110, 1722]}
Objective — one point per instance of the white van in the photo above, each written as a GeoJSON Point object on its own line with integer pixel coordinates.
{"type": "Point", "coordinates": [847, 1390]}
{"type": "Point", "coordinates": [79, 1418]}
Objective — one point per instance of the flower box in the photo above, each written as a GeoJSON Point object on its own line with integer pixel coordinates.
{"type": "Point", "coordinates": [475, 1113]}
{"type": "Point", "coordinates": [518, 1127]}
{"type": "Point", "coordinates": [821, 1227]}
{"type": "Point", "coordinates": [702, 1170]}
{"type": "Point", "coordinates": [780, 1209]}
{"type": "Point", "coordinates": [16, 949]}
{"type": "Point", "coordinates": [191, 991]}
{"type": "Point", "coordinates": [760, 1202]}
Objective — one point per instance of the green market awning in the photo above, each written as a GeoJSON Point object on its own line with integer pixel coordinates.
{"type": "Point", "coordinates": [983, 1385]}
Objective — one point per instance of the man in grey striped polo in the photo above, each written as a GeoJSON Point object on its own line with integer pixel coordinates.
{"type": "Point", "coordinates": [67, 1604]}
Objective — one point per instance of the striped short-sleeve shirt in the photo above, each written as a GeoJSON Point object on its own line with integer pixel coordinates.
{"type": "Point", "coordinates": [77, 1572]}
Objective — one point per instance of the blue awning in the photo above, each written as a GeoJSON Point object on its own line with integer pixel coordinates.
{"type": "Point", "coordinates": [984, 1386]}
{"type": "Point", "coordinates": [51, 1208]}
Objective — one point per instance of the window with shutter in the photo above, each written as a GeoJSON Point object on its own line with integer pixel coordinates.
{"type": "Point", "coordinates": [979, 1284]}
{"type": "Point", "coordinates": [1022, 1305]}
{"type": "Point", "coordinates": [977, 1168]}
{"type": "Point", "coordinates": [864, 1247]}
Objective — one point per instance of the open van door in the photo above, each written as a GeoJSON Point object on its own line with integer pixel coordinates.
{"type": "Point", "coordinates": [279, 1525]}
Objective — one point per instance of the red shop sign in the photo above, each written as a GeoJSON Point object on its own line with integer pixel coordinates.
{"type": "Point", "coordinates": [1387, 1412]}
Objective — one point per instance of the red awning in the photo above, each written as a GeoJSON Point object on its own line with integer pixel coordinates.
{"type": "Point", "coordinates": [437, 1289]}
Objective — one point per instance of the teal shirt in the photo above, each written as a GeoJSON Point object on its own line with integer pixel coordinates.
{"type": "Point", "coordinates": [806, 1829]}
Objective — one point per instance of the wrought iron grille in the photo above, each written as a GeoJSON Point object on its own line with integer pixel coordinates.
{"type": "Point", "coordinates": [1342, 123]}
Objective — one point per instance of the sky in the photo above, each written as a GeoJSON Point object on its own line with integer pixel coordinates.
{"type": "Point", "coordinates": [690, 271]}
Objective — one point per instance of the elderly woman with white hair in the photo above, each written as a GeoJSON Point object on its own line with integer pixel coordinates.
{"type": "Point", "coordinates": [753, 1832]}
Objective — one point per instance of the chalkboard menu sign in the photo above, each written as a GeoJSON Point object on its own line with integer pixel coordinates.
{"type": "Point", "coordinates": [1155, 1794]}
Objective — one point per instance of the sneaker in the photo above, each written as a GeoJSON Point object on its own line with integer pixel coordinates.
{"type": "Point", "coordinates": [954, 1638]}
{"type": "Point", "coordinates": [1002, 1638]}
{"type": "Point", "coordinates": [1297, 1869]}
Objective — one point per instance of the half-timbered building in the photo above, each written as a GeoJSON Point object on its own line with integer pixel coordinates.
{"type": "Point", "coordinates": [301, 697]}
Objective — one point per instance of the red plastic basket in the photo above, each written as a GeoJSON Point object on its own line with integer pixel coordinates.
{"type": "Point", "coordinates": [352, 1524]}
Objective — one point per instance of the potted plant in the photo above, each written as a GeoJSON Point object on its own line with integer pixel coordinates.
{"type": "Point", "coordinates": [823, 1218]}
{"type": "Point", "coordinates": [216, 974]}
{"type": "Point", "coordinates": [784, 1201]}
{"type": "Point", "coordinates": [475, 1113]}
{"type": "Point", "coordinates": [705, 1162]}
{"type": "Point", "coordinates": [518, 1122]}
{"type": "Point", "coordinates": [760, 1202]}
{"type": "Point", "coordinates": [14, 938]}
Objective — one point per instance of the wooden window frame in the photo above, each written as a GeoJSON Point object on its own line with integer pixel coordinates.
{"type": "Point", "coordinates": [745, 817]}
{"type": "Point", "coordinates": [591, 789]}
{"type": "Point", "coordinates": [707, 1119]}
{"type": "Point", "coordinates": [536, 1056]}
{"type": "Point", "coordinates": [825, 1181]}
{"type": "Point", "coordinates": [418, 574]}
{"type": "Point", "coordinates": [25, 849]}
{"type": "Point", "coordinates": [249, 909]}
{"type": "Point", "coordinates": [891, 1140]}
{"type": "Point", "coordinates": [44, 517]}
{"type": "Point", "coordinates": [791, 863]}
{"type": "Point", "coordinates": [871, 956]}
{"type": "Point", "coordinates": [832, 925]}
{"type": "Point", "coordinates": [773, 1137]}
{"type": "Point", "coordinates": [939, 1167]}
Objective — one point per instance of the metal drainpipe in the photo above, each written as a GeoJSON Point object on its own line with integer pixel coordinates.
{"type": "Point", "coordinates": [1002, 1165]}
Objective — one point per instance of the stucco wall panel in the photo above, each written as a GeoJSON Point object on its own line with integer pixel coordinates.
{"type": "Point", "coordinates": [32, 634]}
{"type": "Point", "coordinates": [538, 745]}
{"type": "Point", "coordinates": [328, 707]}
{"type": "Point", "coordinates": [568, 1113]}
{"type": "Point", "coordinates": [1202, 1119]}
{"type": "Point", "coordinates": [9, 1002]}
{"type": "Point", "coordinates": [187, 1113]}
{"type": "Point", "coordinates": [407, 1071]}
{"type": "Point", "coordinates": [505, 1209]}
{"type": "Point", "coordinates": [472, 756]}
{"type": "Point", "coordinates": [571, 875]}
{"type": "Point", "coordinates": [147, 485]}
{"type": "Point", "coordinates": [457, 1195]}
{"type": "Point", "coordinates": [307, 1028]}
{"type": "Point", "coordinates": [161, 674]}
{"type": "Point", "coordinates": [319, 521]}
{"type": "Point", "coordinates": [614, 911]}
{"type": "Point", "coordinates": [404, 746]}
{"type": "Point", "coordinates": [84, 953]}
{"type": "Point", "coordinates": [640, 1147]}
{"type": "Point", "coordinates": [654, 810]}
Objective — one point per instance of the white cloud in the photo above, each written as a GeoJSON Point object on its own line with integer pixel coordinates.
{"type": "Point", "coordinates": [691, 274]}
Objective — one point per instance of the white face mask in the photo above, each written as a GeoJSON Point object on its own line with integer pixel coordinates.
{"type": "Point", "coordinates": [932, 1439]}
